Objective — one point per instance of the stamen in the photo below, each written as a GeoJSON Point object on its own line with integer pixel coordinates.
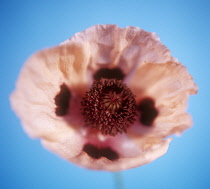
{"type": "Point", "coordinates": [109, 106]}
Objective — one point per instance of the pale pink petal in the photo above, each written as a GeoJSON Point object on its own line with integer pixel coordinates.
{"type": "Point", "coordinates": [37, 86]}
{"type": "Point", "coordinates": [110, 46]}
{"type": "Point", "coordinates": [143, 158]}
{"type": "Point", "coordinates": [169, 85]}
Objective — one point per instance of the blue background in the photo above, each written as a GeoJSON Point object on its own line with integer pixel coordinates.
{"type": "Point", "coordinates": [28, 26]}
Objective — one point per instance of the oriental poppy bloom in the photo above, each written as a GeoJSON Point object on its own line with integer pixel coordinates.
{"type": "Point", "coordinates": [107, 98]}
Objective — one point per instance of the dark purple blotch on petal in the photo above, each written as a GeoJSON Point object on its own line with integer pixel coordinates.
{"type": "Point", "coordinates": [107, 73]}
{"type": "Point", "coordinates": [147, 110]}
{"type": "Point", "coordinates": [97, 153]}
{"type": "Point", "coordinates": [62, 100]}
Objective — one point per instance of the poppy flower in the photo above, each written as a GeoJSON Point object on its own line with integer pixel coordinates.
{"type": "Point", "coordinates": [108, 98]}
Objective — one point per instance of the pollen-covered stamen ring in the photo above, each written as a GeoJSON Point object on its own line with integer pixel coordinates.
{"type": "Point", "coordinates": [109, 106]}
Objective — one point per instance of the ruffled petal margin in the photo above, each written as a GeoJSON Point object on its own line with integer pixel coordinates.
{"type": "Point", "coordinates": [169, 85]}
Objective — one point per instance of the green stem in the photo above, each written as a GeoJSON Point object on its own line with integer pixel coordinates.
{"type": "Point", "coordinates": [118, 180]}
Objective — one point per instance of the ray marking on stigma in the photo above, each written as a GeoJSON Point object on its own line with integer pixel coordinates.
{"type": "Point", "coordinates": [109, 106]}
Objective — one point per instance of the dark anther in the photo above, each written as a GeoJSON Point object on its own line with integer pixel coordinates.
{"type": "Point", "coordinates": [109, 106]}
{"type": "Point", "coordinates": [148, 111]}
{"type": "Point", "coordinates": [97, 153]}
{"type": "Point", "coordinates": [107, 73]}
{"type": "Point", "coordinates": [62, 101]}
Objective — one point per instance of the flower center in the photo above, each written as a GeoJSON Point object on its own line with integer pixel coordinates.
{"type": "Point", "coordinates": [109, 106]}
